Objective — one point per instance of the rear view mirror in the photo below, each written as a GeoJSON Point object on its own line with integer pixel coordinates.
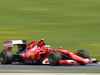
{"type": "Point", "coordinates": [59, 47]}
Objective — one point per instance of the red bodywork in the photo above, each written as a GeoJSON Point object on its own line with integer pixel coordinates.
{"type": "Point", "coordinates": [35, 49]}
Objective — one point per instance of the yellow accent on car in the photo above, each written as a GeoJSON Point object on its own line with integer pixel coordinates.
{"type": "Point", "coordinates": [80, 52]}
{"type": "Point", "coordinates": [31, 47]}
{"type": "Point", "coordinates": [5, 57]}
{"type": "Point", "coordinates": [33, 56]}
{"type": "Point", "coordinates": [28, 56]}
{"type": "Point", "coordinates": [74, 55]}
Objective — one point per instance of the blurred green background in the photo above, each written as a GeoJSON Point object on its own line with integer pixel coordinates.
{"type": "Point", "coordinates": [72, 24]}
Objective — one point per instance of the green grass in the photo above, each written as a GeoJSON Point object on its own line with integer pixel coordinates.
{"type": "Point", "coordinates": [49, 71]}
{"type": "Point", "coordinates": [72, 24]}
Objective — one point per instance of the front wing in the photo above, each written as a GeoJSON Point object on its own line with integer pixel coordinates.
{"type": "Point", "coordinates": [72, 62]}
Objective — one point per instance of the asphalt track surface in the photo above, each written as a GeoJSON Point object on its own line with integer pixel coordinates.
{"type": "Point", "coordinates": [18, 66]}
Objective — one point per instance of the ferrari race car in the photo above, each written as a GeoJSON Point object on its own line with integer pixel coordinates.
{"type": "Point", "coordinates": [39, 53]}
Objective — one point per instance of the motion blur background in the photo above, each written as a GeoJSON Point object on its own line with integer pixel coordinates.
{"type": "Point", "coordinates": [72, 24]}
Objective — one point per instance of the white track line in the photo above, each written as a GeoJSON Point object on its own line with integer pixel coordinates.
{"type": "Point", "coordinates": [49, 73]}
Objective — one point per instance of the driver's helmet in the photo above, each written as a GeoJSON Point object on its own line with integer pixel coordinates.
{"type": "Point", "coordinates": [42, 40]}
{"type": "Point", "coordinates": [47, 47]}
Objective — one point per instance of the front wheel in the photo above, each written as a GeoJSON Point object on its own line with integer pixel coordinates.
{"type": "Point", "coordinates": [54, 58]}
{"type": "Point", "coordinates": [83, 54]}
{"type": "Point", "coordinates": [6, 57]}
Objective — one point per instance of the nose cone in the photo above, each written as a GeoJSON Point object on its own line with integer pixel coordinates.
{"type": "Point", "coordinates": [94, 60]}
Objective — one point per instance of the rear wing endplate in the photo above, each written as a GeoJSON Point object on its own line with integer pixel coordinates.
{"type": "Point", "coordinates": [8, 45]}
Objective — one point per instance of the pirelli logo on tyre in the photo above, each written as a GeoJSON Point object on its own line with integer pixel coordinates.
{"type": "Point", "coordinates": [80, 52]}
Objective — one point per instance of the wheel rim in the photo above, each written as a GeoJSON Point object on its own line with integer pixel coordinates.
{"type": "Point", "coordinates": [79, 54]}
{"type": "Point", "coordinates": [51, 58]}
{"type": "Point", "coordinates": [2, 57]}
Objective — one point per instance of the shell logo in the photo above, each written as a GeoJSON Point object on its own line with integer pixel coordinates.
{"type": "Point", "coordinates": [33, 56]}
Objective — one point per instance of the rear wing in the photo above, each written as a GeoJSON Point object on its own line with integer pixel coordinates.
{"type": "Point", "coordinates": [22, 44]}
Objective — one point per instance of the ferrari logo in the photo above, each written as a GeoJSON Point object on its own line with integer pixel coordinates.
{"type": "Point", "coordinates": [33, 56]}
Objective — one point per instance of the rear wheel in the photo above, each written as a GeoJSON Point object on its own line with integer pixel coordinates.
{"type": "Point", "coordinates": [6, 57]}
{"type": "Point", "coordinates": [83, 54]}
{"type": "Point", "coordinates": [54, 58]}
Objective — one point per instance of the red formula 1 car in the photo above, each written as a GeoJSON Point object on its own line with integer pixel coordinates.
{"type": "Point", "coordinates": [39, 53]}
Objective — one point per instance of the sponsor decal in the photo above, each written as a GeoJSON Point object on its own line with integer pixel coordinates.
{"type": "Point", "coordinates": [74, 55]}
{"type": "Point", "coordinates": [33, 56]}
{"type": "Point", "coordinates": [77, 57]}
{"type": "Point", "coordinates": [34, 48]}
{"type": "Point", "coordinates": [45, 61]}
{"type": "Point", "coordinates": [17, 41]}
{"type": "Point", "coordinates": [8, 45]}
{"type": "Point", "coordinates": [28, 56]}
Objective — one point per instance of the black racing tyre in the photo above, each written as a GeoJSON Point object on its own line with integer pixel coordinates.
{"type": "Point", "coordinates": [83, 53]}
{"type": "Point", "coordinates": [54, 58]}
{"type": "Point", "coordinates": [6, 57]}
